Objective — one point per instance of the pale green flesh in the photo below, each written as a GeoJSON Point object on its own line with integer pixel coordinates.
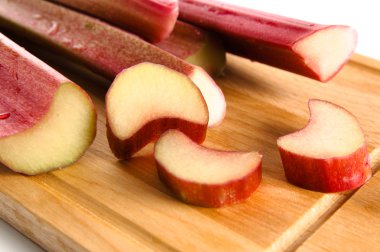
{"type": "Point", "coordinates": [59, 139]}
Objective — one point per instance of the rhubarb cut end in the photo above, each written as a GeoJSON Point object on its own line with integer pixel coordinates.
{"type": "Point", "coordinates": [211, 57]}
{"type": "Point", "coordinates": [331, 132]}
{"type": "Point", "coordinates": [62, 135]}
{"type": "Point", "coordinates": [212, 94]}
{"type": "Point", "coordinates": [327, 50]}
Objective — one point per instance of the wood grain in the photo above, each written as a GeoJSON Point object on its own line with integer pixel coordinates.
{"type": "Point", "coordinates": [101, 204]}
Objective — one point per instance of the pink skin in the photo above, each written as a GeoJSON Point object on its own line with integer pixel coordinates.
{"type": "Point", "coordinates": [27, 88]}
{"type": "Point", "coordinates": [257, 35]}
{"type": "Point", "coordinates": [205, 195]}
{"type": "Point", "coordinates": [131, 15]}
{"type": "Point", "coordinates": [327, 175]}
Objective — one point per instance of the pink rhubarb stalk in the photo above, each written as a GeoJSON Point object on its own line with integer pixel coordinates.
{"type": "Point", "coordinates": [196, 46]}
{"type": "Point", "coordinates": [102, 47]}
{"type": "Point", "coordinates": [313, 50]}
{"type": "Point", "coordinates": [152, 19]}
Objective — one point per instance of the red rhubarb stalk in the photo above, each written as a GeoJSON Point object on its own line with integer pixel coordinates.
{"type": "Point", "coordinates": [196, 46]}
{"type": "Point", "coordinates": [152, 19]}
{"type": "Point", "coordinates": [313, 50]}
{"type": "Point", "coordinates": [102, 47]}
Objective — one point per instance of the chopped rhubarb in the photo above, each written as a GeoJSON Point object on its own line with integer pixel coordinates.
{"type": "Point", "coordinates": [313, 50]}
{"type": "Point", "coordinates": [329, 154]}
{"type": "Point", "coordinates": [102, 47]}
{"type": "Point", "coordinates": [196, 46]}
{"type": "Point", "coordinates": [152, 19]}
{"type": "Point", "coordinates": [205, 177]}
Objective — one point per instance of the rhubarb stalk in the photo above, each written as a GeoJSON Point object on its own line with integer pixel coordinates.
{"type": "Point", "coordinates": [102, 47]}
{"type": "Point", "coordinates": [152, 19]}
{"type": "Point", "coordinates": [313, 50]}
{"type": "Point", "coordinates": [196, 46]}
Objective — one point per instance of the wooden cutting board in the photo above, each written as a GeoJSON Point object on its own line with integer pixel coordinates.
{"type": "Point", "coordinates": [102, 204]}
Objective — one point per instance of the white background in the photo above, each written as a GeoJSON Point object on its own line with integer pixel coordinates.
{"type": "Point", "coordinates": [363, 15]}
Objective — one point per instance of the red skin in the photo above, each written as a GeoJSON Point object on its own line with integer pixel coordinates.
{"type": "Point", "coordinates": [327, 175]}
{"type": "Point", "coordinates": [150, 132]}
{"type": "Point", "coordinates": [4, 115]}
{"type": "Point", "coordinates": [131, 15]}
{"type": "Point", "coordinates": [27, 88]}
{"type": "Point", "coordinates": [212, 195]}
{"type": "Point", "coordinates": [257, 35]}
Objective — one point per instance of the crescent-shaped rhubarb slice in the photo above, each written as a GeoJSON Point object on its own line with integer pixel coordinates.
{"type": "Point", "coordinates": [203, 176]}
{"type": "Point", "coordinates": [147, 99]}
{"type": "Point", "coordinates": [329, 154]}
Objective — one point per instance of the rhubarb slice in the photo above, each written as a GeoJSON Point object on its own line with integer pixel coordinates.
{"type": "Point", "coordinates": [313, 50]}
{"type": "Point", "coordinates": [146, 100]}
{"type": "Point", "coordinates": [329, 154]}
{"type": "Point", "coordinates": [196, 46]}
{"type": "Point", "coordinates": [203, 176]}
{"type": "Point", "coordinates": [49, 122]}
{"type": "Point", "coordinates": [102, 47]}
{"type": "Point", "coordinates": [152, 19]}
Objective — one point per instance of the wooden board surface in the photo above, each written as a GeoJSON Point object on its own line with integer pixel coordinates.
{"type": "Point", "coordinates": [101, 204]}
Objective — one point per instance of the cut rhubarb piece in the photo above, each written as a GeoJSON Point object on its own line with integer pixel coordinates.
{"type": "Point", "coordinates": [329, 154]}
{"type": "Point", "coordinates": [152, 19]}
{"type": "Point", "coordinates": [196, 46]}
{"type": "Point", "coordinates": [205, 177]}
{"type": "Point", "coordinates": [50, 121]}
{"type": "Point", "coordinates": [147, 99]}
{"type": "Point", "coordinates": [313, 50]}
{"type": "Point", "coordinates": [103, 48]}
